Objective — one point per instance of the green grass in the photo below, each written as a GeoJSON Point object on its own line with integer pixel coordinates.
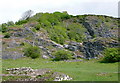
{"type": "Point", "coordinates": [80, 71]}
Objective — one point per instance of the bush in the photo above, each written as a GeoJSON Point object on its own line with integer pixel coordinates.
{"type": "Point", "coordinates": [37, 27]}
{"type": "Point", "coordinates": [21, 22]}
{"type": "Point", "coordinates": [62, 16]}
{"type": "Point", "coordinates": [7, 35]}
{"type": "Point", "coordinates": [32, 51]}
{"type": "Point", "coordinates": [76, 32]}
{"type": "Point", "coordinates": [62, 55]}
{"type": "Point", "coordinates": [34, 30]}
{"type": "Point", "coordinates": [111, 55]}
{"type": "Point", "coordinates": [4, 28]}
{"type": "Point", "coordinates": [58, 34]}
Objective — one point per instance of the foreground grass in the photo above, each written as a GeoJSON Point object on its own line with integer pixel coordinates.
{"type": "Point", "coordinates": [79, 71]}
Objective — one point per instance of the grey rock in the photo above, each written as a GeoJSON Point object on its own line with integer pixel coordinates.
{"type": "Point", "coordinates": [11, 55]}
{"type": "Point", "coordinates": [45, 57]}
{"type": "Point", "coordinates": [62, 77]}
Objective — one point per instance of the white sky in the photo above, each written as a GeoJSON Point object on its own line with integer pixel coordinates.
{"type": "Point", "coordinates": [11, 10]}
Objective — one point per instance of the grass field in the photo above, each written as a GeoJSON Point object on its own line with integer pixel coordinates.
{"type": "Point", "coordinates": [91, 70]}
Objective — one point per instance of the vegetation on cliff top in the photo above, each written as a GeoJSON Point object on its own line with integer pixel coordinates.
{"type": "Point", "coordinates": [62, 27]}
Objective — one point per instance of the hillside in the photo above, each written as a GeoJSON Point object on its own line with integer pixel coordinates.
{"type": "Point", "coordinates": [60, 47]}
{"type": "Point", "coordinates": [86, 36]}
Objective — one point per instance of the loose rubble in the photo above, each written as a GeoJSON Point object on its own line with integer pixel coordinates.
{"type": "Point", "coordinates": [62, 78]}
{"type": "Point", "coordinates": [35, 73]}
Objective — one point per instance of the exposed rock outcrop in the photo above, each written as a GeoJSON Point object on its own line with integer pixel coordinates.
{"type": "Point", "coordinates": [99, 34]}
{"type": "Point", "coordinates": [37, 74]}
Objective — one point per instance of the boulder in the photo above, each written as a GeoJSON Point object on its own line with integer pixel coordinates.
{"type": "Point", "coordinates": [70, 47]}
{"type": "Point", "coordinates": [45, 57]}
{"type": "Point", "coordinates": [62, 77]}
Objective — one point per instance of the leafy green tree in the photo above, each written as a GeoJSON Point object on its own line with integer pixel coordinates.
{"type": "Point", "coordinates": [10, 23]}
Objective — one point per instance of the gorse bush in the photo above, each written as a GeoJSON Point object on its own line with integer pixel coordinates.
{"type": "Point", "coordinates": [62, 55]}
{"type": "Point", "coordinates": [32, 51]}
{"type": "Point", "coordinates": [111, 55]}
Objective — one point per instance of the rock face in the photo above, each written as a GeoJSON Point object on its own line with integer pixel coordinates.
{"type": "Point", "coordinates": [11, 55]}
{"type": "Point", "coordinates": [13, 46]}
{"type": "Point", "coordinates": [89, 28]}
{"type": "Point", "coordinates": [91, 49]}
{"type": "Point", "coordinates": [98, 37]}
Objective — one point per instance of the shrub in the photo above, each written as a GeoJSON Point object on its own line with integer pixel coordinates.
{"type": "Point", "coordinates": [22, 44]}
{"type": "Point", "coordinates": [32, 51]}
{"type": "Point", "coordinates": [111, 55]}
{"type": "Point", "coordinates": [76, 32]}
{"type": "Point", "coordinates": [21, 22]}
{"type": "Point", "coordinates": [37, 27]}
{"type": "Point", "coordinates": [4, 28]}
{"type": "Point", "coordinates": [62, 55]}
{"type": "Point", "coordinates": [63, 15]}
{"type": "Point", "coordinates": [7, 35]}
{"type": "Point", "coordinates": [34, 30]}
{"type": "Point", "coordinates": [58, 34]}
{"type": "Point", "coordinates": [54, 37]}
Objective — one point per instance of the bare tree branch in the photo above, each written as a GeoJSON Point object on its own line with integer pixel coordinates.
{"type": "Point", "coordinates": [26, 15]}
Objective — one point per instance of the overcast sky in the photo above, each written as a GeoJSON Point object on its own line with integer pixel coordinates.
{"type": "Point", "coordinates": [11, 10]}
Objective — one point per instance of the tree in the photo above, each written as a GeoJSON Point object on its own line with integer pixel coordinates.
{"type": "Point", "coordinates": [26, 15]}
{"type": "Point", "coordinates": [10, 23]}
